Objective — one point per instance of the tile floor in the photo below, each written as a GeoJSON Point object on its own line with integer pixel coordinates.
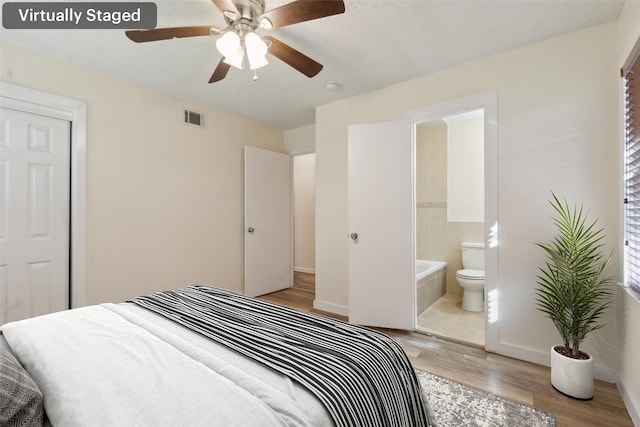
{"type": "Point", "coordinates": [446, 318]}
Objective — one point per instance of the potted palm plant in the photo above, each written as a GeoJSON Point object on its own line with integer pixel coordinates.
{"type": "Point", "coordinates": [574, 294]}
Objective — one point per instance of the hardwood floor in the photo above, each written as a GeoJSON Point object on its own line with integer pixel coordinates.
{"type": "Point", "coordinates": [304, 281]}
{"type": "Point", "coordinates": [513, 379]}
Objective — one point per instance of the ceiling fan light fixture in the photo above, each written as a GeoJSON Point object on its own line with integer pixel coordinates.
{"type": "Point", "coordinates": [236, 61]}
{"type": "Point", "coordinates": [229, 43]}
{"type": "Point", "coordinates": [230, 46]}
{"type": "Point", "coordinates": [232, 16]}
{"type": "Point", "coordinates": [256, 51]}
{"type": "Point", "coordinates": [265, 23]}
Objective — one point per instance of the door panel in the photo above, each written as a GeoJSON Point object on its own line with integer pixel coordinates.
{"type": "Point", "coordinates": [267, 221]}
{"type": "Point", "coordinates": [381, 213]}
{"type": "Point", "coordinates": [34, 215]}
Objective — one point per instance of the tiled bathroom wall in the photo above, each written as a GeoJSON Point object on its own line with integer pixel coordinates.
{"type": "Point", "coordinates": [436, 238]}
{"type": "Point", "coordinates": [431, 191]}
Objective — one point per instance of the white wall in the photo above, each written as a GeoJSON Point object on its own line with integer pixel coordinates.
{"type": "Point", "coordinates": [629, 34]}
{"type": "Point", "coordinates": [557, 126]}
{"type": "Point", "coordinates": [164, 199]}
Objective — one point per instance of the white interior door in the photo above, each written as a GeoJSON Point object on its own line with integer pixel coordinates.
{"type": "Point", "coordinates": [34, 214]}
{"type": "Point", "coordinates": [267, 243]}
{"type": "Point", "coordinates": [381, 213]}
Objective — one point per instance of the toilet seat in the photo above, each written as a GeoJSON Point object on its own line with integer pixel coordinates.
{"type": "Point", "coordinates": [470, 274]}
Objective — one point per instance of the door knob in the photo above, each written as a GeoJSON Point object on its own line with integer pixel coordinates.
{"type": "Point", "coordinates": [354, 236]}
{"type": "Point", "coordinates": [251, 229]}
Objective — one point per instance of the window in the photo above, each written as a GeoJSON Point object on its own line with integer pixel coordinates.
{"type": "Point", "coordinates": [631, 75]}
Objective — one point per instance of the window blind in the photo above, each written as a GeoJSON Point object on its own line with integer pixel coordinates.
{"type": "Point", "coordinates": [631, 75]}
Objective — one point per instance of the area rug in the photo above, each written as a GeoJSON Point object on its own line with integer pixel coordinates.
{"type": "Point", "coordinates": [458, 405]}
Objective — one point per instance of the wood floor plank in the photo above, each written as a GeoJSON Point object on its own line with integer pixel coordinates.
{"type": "Point", "coordinates": [304, 281]}
{"type": "Point", "coordinates": [513, 379]}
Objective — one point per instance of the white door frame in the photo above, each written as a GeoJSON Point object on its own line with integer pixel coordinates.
{"type": "Point", "coordinates": [37, 102]}
{"type": "Point", "coordinates": [489, 102]}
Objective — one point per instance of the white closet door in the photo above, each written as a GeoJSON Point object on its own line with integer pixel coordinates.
{"type": "Point", "coordinates": [268, 225]}
{"type": "Point", "coordinates": [34, 214]}
{"type": "Point", "coordinates": [381, 213]}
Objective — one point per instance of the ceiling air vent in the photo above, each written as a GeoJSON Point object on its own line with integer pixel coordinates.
{"type": "Point", "coordinates": [193, 118]}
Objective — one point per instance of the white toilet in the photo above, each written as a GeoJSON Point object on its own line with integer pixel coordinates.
{"type": "Point", "coordinates": [471, 277]}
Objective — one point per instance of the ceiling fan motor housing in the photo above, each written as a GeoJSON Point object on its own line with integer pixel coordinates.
{"type": "Point", "coordinates": [248, 10]}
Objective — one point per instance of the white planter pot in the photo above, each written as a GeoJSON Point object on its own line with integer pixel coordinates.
{"type": "Point", "coordinates": [572, 377]}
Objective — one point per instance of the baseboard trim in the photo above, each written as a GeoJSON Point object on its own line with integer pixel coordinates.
{"type": "Point", "coordinates": [305, 270]}
{"type": "Point", "coordinates": [544, 358]}
{"type": "Point", "coordinates": [634, 412]}
{"type": "Point", "coordinates": [331, 307]}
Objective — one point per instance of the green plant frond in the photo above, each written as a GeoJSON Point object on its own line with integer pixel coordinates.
{"type": "Point", "coordinates": [571, 290]}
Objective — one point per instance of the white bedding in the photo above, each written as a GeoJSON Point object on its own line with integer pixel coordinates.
{"type": "Point", "coordinates": [314, 409]}
{"type": "Point", "coordinates": [112, 365]}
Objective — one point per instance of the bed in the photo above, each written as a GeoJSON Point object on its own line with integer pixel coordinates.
{"type": "Point", "coordinates": [203, 356]}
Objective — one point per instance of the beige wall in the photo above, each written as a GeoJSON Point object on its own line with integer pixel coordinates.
{"type": "Point", "coordinates": [164, 199]}
{"type": "Point", "coordinates": [300, 140]}
{"type": "Point", "coordinates": [629, 34]}
{"type": "Point", "coordinates": [304, 195]}
{"type": "Point", "coordinates": [558, 115]}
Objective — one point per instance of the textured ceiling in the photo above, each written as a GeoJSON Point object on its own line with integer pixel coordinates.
{"type": "Point", "coordinates": [375, 43]}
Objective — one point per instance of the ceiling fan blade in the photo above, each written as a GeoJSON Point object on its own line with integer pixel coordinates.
{"type": "Point", "coordinates": [297, 60]}
{"type": "Point", "coordinates": [220, 72]}
{"type": "Point", "coordinates": [225, 5]}
{"type": "Point", "coordinates": [301, 11]}
{"type": "Point", "coordinates": [140, 36]}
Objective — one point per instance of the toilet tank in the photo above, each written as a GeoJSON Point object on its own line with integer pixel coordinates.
{"type": "Point", "coordinates": [472, 255]}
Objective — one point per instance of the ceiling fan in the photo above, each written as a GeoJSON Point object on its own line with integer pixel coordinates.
{"type": "Point", "coordinates": [240, 44]}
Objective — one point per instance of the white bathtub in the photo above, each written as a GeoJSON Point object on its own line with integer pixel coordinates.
{"type": "Point", "coordinates": [425, 267]}
{"type": "Point", "coordinates": [431, 283]}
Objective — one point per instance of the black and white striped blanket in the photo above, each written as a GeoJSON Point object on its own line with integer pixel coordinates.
{"type": "Point", "coordinates": [362, 377]}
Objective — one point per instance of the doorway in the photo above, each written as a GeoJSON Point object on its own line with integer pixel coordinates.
{"type": "Point", "coordinates": [485, 231]}
{"type": "Point", "coordinates": [382, 256]}
{"type": "Point", "coordinates": [279, 214]}
{"type": "Point", "coordinates": [449, 211]}
{"type": "Point", "coordinates": [304, 234]}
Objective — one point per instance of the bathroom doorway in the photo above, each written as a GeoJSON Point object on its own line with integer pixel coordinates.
{"type": "Point", "coordinates": [456, 201]}
{"type": "Point", "coordinates": [449, 210]}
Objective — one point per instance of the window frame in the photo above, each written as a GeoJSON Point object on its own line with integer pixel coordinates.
{"type": "Point", "coordinates": [631, 164]}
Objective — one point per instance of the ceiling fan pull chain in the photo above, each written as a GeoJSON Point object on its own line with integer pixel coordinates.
{"type": "Point", "coordinates": [255, 75]}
